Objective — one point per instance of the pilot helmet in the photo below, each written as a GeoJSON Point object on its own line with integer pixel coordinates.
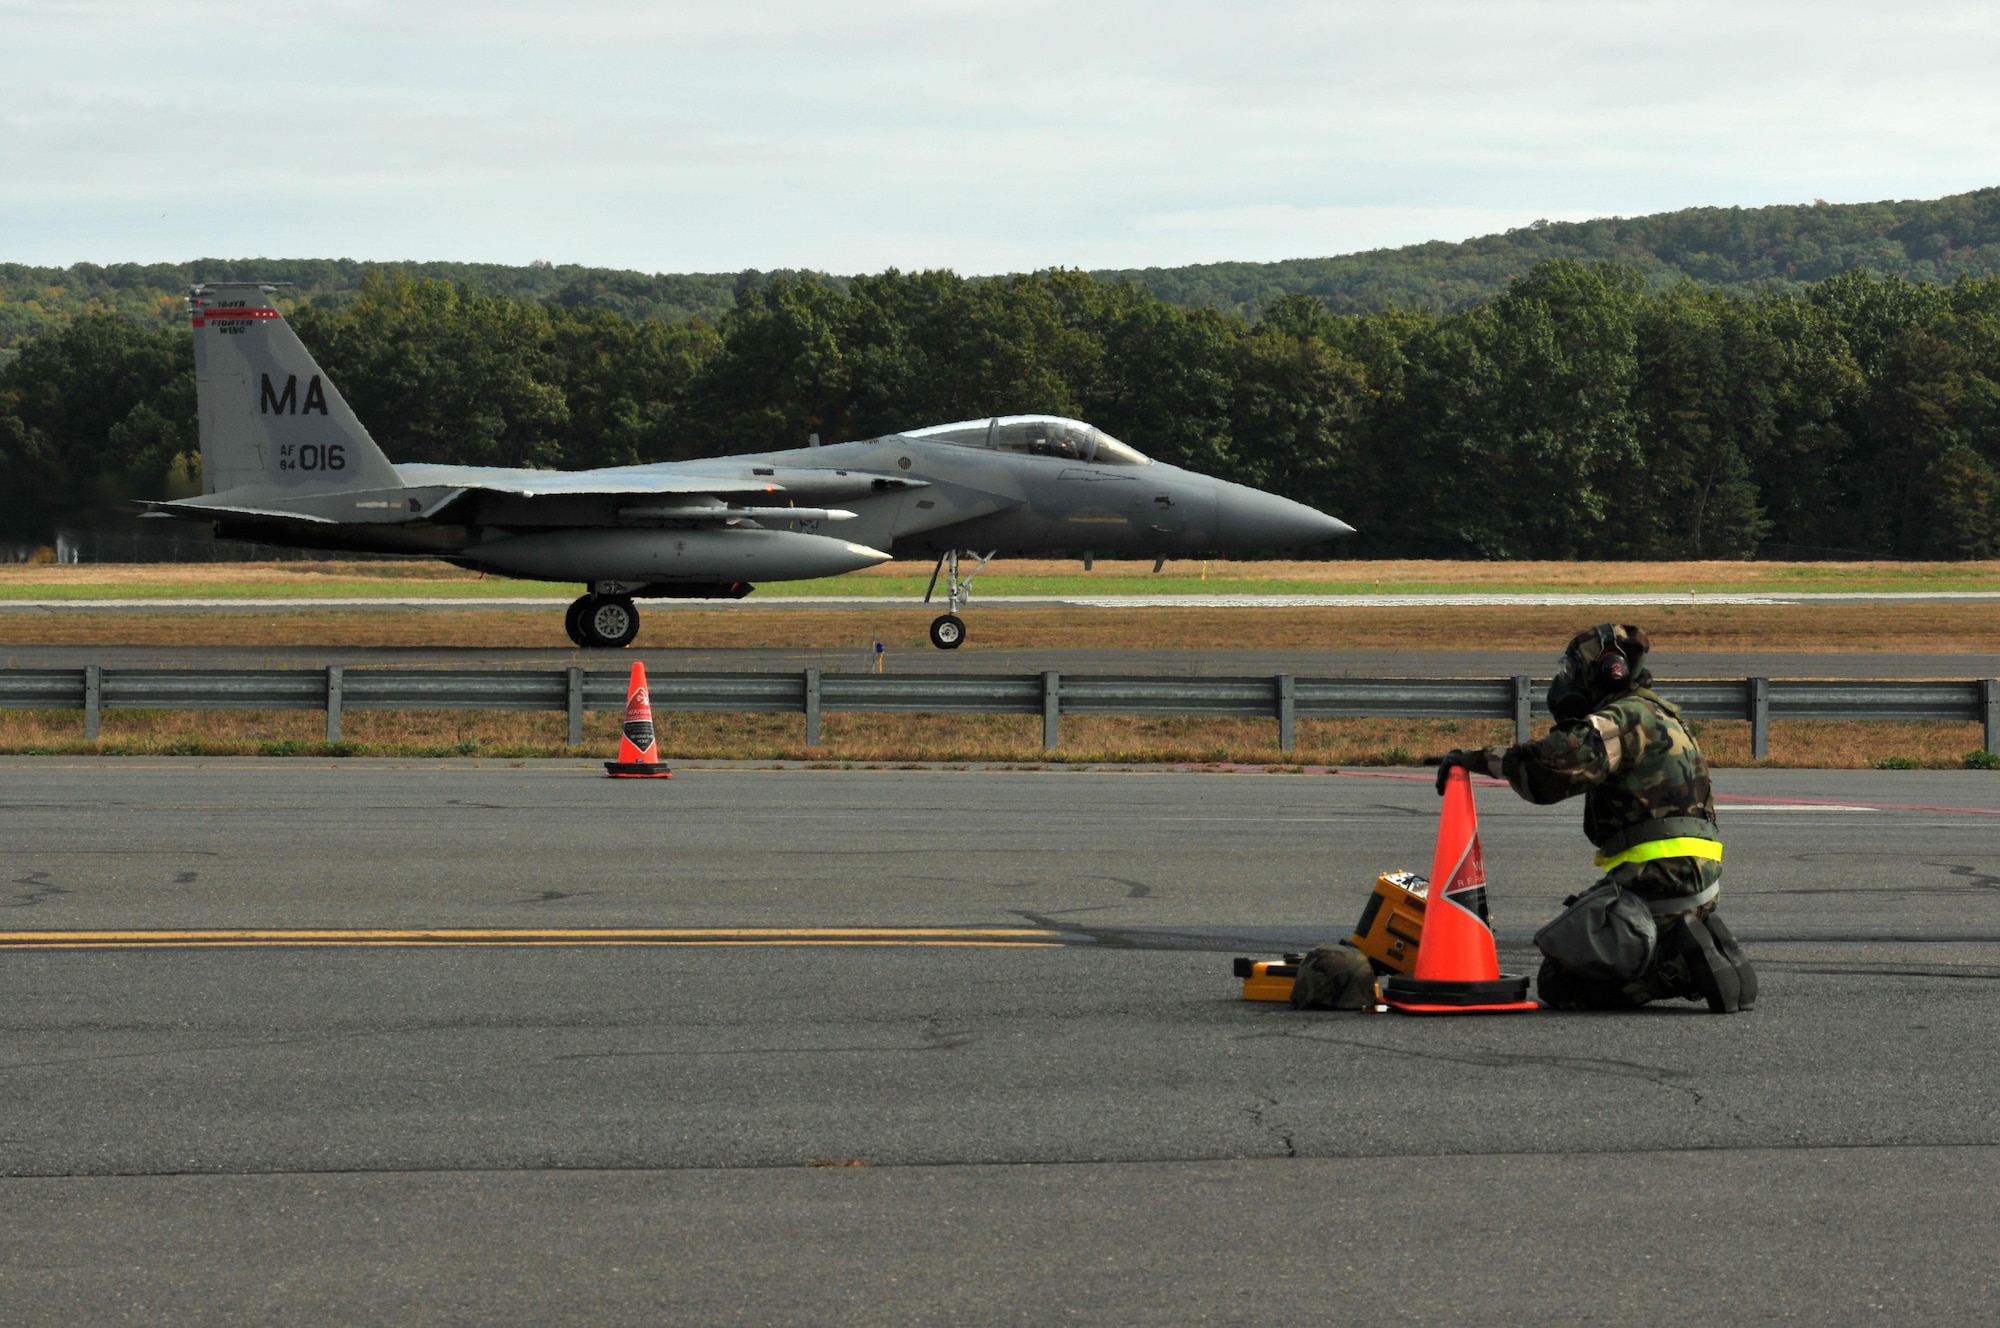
{"type": "Point", "coordinates": [1598, 664]}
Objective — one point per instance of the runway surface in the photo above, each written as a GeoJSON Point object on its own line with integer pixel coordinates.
{"type": "Point", "coordinates": [903, 1046]}
{"type": "Point", "coordinates": [972, 659]}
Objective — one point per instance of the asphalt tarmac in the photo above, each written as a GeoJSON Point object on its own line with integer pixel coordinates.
{"type": "Point", "coordinates": [971, 659]}
{"type": "Point", "coordinates": [1047, 1105]}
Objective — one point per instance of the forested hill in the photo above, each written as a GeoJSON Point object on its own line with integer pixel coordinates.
{"type": "Point", "coordinates": [32, 299]}
{"type": "Point", "coordinates": [1743, 250]}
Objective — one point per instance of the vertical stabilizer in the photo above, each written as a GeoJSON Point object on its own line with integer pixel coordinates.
{"type": "Point", "coordinates": [269, 418]}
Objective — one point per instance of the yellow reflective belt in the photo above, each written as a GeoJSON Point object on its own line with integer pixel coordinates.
{"type": "Point", "coordinates": [1654, 849]}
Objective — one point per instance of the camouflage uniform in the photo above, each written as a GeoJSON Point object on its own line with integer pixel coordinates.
{"type": "Point", "coordinates": [1644, 780]}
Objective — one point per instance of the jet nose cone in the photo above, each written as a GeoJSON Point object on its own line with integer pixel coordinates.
{"type": "Point", "coordinates": [1250, 519]}
{"type": "Point", "coordinates": [860, 556]}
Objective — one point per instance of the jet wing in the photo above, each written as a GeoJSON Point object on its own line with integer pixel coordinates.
{"type": "Point", "coordinates": [673, 492]}
{"type": "Point", "coordinates": [827, 484]}
{"type": "Point", "coordinates": [570, 483]}
{"type": "Point", "coordinates": [641, 481]}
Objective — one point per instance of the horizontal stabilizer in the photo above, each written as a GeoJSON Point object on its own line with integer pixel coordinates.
{"type": "Point", "coordinates": [370, 507]}
{"type": "Point", "coordinates": [214, 511]}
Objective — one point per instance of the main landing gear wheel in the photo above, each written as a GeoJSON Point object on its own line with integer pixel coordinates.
{"type": "Point", "coordinates": [948, 632]}
{"type": "Point", "coordinates": [573, 620]}
{"type": "Point", "coordinates": [610, 621]}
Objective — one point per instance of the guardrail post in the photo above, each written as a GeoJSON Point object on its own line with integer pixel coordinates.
{"type": "Point", "coordinates": [1288, 712]}
{"type": "Point", "coordinates": [1989, 702]}
{"type": "Point", "coordinates": [1524, 708]}
{"type": "Point", "coordinates": [333, 681]}
{"type": "Point", "coordinates": [575, 705]}
{"type": "Point", "coordinates": [1051, 710]}
{"type": "Point", "coordinates": [93, 699]}
{"type": "Point", "coordinates": [1760, 718]}
{"type": "Point", "coordinates": [812, 707]}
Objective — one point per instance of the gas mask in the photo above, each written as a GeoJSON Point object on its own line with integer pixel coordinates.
{"type": "Point", "coordinates": [1568, 701]}
{"type": "Point", "coordinates": [1594, 668]}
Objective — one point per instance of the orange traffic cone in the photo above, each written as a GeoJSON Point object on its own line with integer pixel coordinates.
{"type": "Point", "coordinates": [1458, 971]}
{"type": "Point", "coordinates": [638, 752]}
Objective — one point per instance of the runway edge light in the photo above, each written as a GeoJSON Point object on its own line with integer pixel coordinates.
{"type": "Point", "coordinates": [638, 745]}
{"type": "Point", "coordinates": [1458, 968]}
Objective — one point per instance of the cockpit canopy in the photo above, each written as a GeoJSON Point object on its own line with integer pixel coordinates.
{"type": "Point", "coordinates": [1036, 435]}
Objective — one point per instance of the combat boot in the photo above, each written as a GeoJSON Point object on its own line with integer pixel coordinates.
{"type": "Point", "coordinates": [1714, 977]}
{"type": "Point", "coordinates": [1726, 946]}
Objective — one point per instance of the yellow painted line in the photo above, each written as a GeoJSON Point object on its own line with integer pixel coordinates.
{"type": "Point", "coordinates": [432, 945]}
{"type": "Point", "coordinates": [445, 936]}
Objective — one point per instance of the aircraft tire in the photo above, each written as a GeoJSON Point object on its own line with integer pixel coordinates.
{"type": "Point", "coordinates": [948, 631]}
{"type": "Point", "coordinates": [611, 622]}
{"type": "Point", "coordinates": [573, 620]}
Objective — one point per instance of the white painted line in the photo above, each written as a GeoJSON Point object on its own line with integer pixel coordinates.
{"type": "Point", "coordinates": [1733, 807]}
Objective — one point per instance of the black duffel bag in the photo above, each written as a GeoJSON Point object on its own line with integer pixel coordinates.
{"type": "Point", "coordinates": [1606, 934]}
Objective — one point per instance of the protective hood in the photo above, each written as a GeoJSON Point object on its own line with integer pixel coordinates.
{"type": "Point", "coordinates": [1607, 660]}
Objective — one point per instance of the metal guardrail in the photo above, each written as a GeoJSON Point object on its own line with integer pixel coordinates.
{"type": "Point", "coordinates": [1284, 697]}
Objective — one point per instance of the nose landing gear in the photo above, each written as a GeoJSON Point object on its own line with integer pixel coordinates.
{"type": "Point", "coordinates": [607, 622]}
{"type": "Point", "coordinates": [948, 629]}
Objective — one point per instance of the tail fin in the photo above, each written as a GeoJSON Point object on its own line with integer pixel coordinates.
{"type": "Point", "coordinates": [269, 417]}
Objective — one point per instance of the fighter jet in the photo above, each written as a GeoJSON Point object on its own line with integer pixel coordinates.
{"type": "Point", "coordinates": [285, 461]}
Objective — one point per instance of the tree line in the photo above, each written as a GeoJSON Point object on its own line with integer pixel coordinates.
{"type": "Point", "coordinates": [1745, 251]}
{"type": "Point", "coordinates": [1577, 414]}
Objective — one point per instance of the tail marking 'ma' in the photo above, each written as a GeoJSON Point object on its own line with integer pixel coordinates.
{"type": "Point", "coordinates": [272, 402]}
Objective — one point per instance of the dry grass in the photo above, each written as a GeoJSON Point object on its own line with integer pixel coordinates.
{"type": "Point", "coordinates": [895, 739]}
{"type": "Point", "coordinates": [1938, 627]}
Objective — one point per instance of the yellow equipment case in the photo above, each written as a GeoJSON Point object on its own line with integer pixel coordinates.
{"type": "Point", "coordinates": [1392, 923]}
{"type": "Point", "coordinates": [1268, 981]}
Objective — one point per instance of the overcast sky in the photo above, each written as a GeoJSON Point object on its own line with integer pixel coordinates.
{"type": "Point", "coordinates": [982, 136]}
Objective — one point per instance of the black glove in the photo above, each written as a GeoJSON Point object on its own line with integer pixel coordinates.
{"type": "Point", "coordinates": [1459, 759]}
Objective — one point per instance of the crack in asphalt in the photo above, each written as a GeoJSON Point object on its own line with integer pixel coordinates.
{"type": "Point", "coordinates": [1788, 1146]}
{"type": "Point", "coordinates": [1969, 873]}
{"type": "Point", "coordinates": [945, 1044]}
{"type": "Point", "coordinates": [1256, 1114]}
{"type": "Point", "coordinates": [1657, 1075]}
{"type": "Point", "coordinates": [41, 887]}
{"type": "Point", "coordinates": [545, 1025]}
{"type": "Point", "coordinates": [934, 1037]}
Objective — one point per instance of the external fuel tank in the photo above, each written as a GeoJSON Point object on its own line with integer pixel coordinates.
{"type": "Point", "coordinates": [703, 554]}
